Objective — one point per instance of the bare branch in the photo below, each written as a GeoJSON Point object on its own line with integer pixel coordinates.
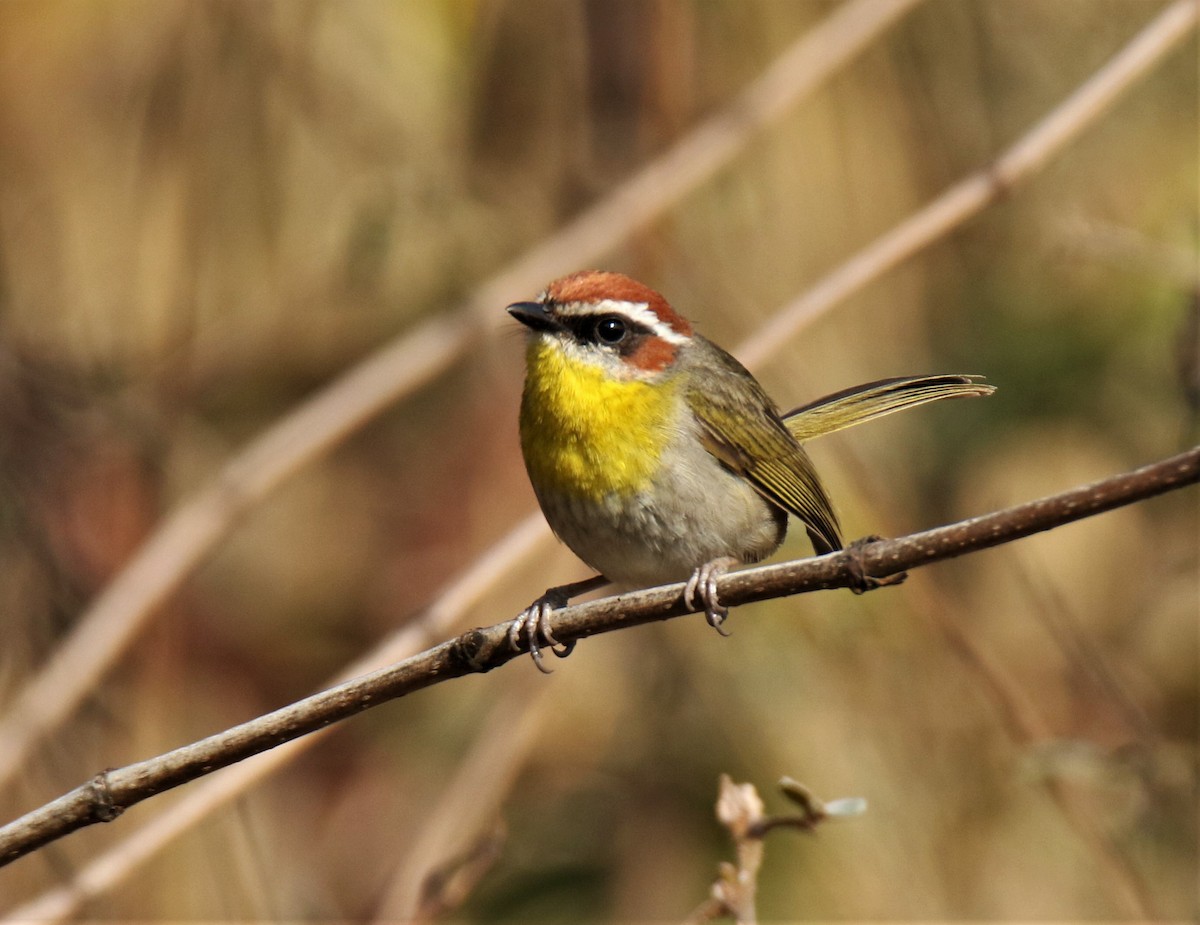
{"type": "Point", "coordinates": [108, 794]}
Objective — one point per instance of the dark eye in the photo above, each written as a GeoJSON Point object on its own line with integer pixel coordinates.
{"type": "Point", "coordinates": [611, 330]}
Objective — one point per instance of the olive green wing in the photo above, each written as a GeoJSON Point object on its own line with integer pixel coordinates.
{"type": "Point", "coordinates": [876, 399]}
{"type": "Point", "coordinates": [741, 427]}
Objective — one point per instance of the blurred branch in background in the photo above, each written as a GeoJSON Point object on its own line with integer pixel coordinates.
{"type": "Point", "coordinates": [969, 196]}
{"type": "Point", "coordinates": [468, 806]}
{"type": "Point", "coordinates": [1167, 30]}
{"type": "Point", "coordinates": [199, 523]}
{"type": "Point", "coordinates": [108, 794]}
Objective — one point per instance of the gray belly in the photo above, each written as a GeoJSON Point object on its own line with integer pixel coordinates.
{"type": "Point", "coordinates": [697, 512]}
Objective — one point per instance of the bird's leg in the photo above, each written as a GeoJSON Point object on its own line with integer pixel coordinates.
{"type": "Point", "coordinates": [534, 620]}
{"type": "Point", "coordinates": [861, 582]}
{"type": "Point", "coordinates": [701, 588]}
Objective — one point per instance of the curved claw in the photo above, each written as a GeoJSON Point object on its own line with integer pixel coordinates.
{"type": "Point", "coordinates": [702, 587]}
{"type": "Point", "coordinates": [534, 623]}
{"type": "Point", "coordinates": [531, 622]}
{"type": "Point", "coordinates": [514, 629]}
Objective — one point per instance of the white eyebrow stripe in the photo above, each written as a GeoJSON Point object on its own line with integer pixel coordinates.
{"type": "Point", "coordinates": [638, 312]}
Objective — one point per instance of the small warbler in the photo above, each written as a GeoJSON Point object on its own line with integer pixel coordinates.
{"type": "Point", "coordinates": [657, 457]}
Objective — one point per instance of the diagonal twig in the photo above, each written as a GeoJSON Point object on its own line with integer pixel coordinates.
{"type": "Point", "coordinates": [109, 793]}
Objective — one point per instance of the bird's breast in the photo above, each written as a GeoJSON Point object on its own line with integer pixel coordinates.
{"type": "Point", "coordinates": [589, 434]}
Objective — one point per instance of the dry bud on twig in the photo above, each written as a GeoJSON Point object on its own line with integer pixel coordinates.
{"type": "Point", "coordinates": [740, 809]}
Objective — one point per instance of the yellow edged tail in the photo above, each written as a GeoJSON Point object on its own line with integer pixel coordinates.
{"type": "Point", "coordinates": [875, 399]}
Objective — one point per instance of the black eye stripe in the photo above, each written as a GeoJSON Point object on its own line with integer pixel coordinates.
{"type": "Point", "coordinates": [609, 329]}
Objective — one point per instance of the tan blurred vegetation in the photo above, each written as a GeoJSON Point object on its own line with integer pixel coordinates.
{"type": "Point", "coordinates": [209, 209]}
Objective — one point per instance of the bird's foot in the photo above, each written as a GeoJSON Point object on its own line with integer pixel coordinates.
{"type": "Point", "coordinates": [701, 588]}
{"type": "Point", "coordinates": [534, 621]}
{"type": "Point", "coordinates": [860, 581]}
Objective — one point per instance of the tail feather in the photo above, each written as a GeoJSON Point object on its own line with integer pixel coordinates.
{"type": "Point", "coordinates": [875, 399]}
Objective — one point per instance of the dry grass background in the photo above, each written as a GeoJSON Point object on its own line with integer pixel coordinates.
{"type": "Point", "coordinates": [209, 209]}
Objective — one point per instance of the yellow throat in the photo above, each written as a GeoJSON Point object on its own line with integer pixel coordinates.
{"type": "Point", "coordinates": [587, 434]}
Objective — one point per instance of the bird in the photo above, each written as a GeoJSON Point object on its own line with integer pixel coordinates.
{"type": "Point", "coordinates": [657, 457]}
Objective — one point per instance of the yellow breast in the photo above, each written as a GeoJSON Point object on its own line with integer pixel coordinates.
{"type": "Point", "coordinates": [586, 433]}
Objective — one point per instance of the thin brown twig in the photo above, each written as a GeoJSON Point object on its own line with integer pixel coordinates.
{"type": "Point", "coordinates": [197, 525]}
{"type": "Point", "coordinates": [111, 792]}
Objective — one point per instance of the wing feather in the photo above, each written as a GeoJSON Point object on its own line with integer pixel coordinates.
{"type": "Point", "coordinates": [741, 427]}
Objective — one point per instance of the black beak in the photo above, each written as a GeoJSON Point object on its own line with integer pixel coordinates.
{"type": "Point", "coordinates": [533, 315]}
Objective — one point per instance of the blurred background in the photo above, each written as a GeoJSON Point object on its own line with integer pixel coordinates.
{"type": "Point", "coordinates": [209, 210]}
